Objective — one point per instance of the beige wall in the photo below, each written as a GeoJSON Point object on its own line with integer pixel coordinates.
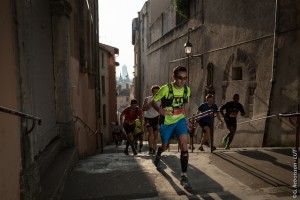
{"type": "Point", "coordinates": [10, 157]}
{"type": "Point", "coordinates": [83, 105]}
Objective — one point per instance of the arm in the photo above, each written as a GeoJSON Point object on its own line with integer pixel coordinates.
{"type": "Point", "coordinates": [242, 110]}
{"type": "Point", "coordinates": [160, 110]}
{"type": "Point", "coordinates": [218, 114]}
{"type": "Point", "coordinates": [145, 106]}
{"type": "Point", "coordinates": [154, 105]}
{"type": "Point", "coordinates": [140, 114]}
{"type": "Point", "coordinates": [187, 108]}
{"type": "Point", "coordinates": [219, 117]}
{"type": "Point", "coordinates": [222, 112]}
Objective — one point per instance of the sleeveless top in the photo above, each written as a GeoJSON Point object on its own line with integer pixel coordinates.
{"type": "Point", "coordinates": [151, 113]}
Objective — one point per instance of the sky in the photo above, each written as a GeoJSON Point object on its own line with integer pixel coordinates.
{"type": "Point", "coordinates": [115, 20]}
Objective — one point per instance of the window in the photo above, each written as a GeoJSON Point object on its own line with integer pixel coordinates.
{"type": "Point", "coordinates": [102, 60]}
{"type": "Point", "coordinates": [237, 73]}
{"type": "Point", "coordinates": [103, 85]}
{"type": "Point", "coordinates": [182, 11]}
{"type": "Point", "coordinates": [104, 115]}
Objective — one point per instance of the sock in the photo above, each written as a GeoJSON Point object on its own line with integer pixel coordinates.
{"type": "Point", "coordinates": [184, 159]}
{"type": "Point", "coordinates": [127, 145]}
{"type": "Point", "coordinates": [159, 151]}
{"type": "Point", "coordinates": [132, 146]}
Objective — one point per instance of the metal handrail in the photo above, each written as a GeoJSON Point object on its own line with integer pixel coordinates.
{"type": "Point", "coordinates": [95, 132]}
{"type": "Point", "coordinates": [22, 115]}
{"type": "Point", "coordinates": [195, 117]}
{"type": "Point", "coordinates": [202, 114]}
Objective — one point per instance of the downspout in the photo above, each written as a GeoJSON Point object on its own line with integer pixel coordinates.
{"type": "Point", "coordinates": [97, 82]}
{"type": "Point", "coordinates": [274, 61]}
{"type": "Point", "coordinates": [139, 65]}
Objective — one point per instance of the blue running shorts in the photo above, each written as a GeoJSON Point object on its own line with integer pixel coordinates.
{"type": "Point", "coordinates": [167, 131]}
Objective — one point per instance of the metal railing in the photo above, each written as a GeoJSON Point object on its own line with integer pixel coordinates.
{"type": "Point", "coordinates": [23, 115]}
{"type": "Point", "coordinates": [193, 120]}
{"type": "Point", "coordinates": [295, 115]}
{"type": "Point", "coordinates": [90, 130]}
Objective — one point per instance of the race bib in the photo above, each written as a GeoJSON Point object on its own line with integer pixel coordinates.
{"type": "Point", "coordinates": [233, 114]}
{"type": "Point", "coordinates": [178, 111]}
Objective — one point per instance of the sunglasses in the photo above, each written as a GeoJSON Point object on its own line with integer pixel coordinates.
{"type": "Point", "coordinates": [183, 78]}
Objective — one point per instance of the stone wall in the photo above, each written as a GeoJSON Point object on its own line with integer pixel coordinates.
{"type": "Point", "coordinates": [235, 40]}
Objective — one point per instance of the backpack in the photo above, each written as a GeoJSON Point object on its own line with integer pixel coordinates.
{"type": "Point", "coordinates": [136, 111]}
{"type": "Point", "coordinates": [167, 102]}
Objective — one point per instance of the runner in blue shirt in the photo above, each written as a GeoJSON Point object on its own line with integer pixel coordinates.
{"type": "Point", "coordinates": [206, 122]}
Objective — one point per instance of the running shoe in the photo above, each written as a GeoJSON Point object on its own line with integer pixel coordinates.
{"type": "Point", "coordinates": [153, 152]}
{"type": "Point", "coordinates": [227, 147]}
{"type": "Point", "coordinates": [157, 162]}
{"type": "Point", "coordinates": [184, 181]}
{"type": "Point", "coordinates": [214, 148]}
{"type": "Point", "coordinates": [192, 147]}
{"type": "Point", "coordinates": [206, 143]}
{"type": "Point", "coordinates": [134, 152]}
{"type": "Point", "coordinates": [201, 148]}
{"type": "Point", "coordinates": [126, 152]}
{"type": "Point", "coordinates": [140, 150]}
{"type": "Point", "coordinates": [224, 141]}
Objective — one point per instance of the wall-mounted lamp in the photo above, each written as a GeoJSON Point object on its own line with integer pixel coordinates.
{"type": "Point", "coordinates": [188, 50]}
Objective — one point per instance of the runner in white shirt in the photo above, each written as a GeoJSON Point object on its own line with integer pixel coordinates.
{"type": "Point", "coordinates": [151, 120]}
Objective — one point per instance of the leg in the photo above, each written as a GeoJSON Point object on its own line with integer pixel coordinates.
{"type": "Point", "coordinates": [155, 138]}
{"type": "Point", "coordinates": [115, 138]}
{"type": "Point", "coordinates": [150, 139]}
{"type": "Point", "coordinates": [184, 152]}
{"type": "Point", "coordinates": [130, 140]}
{"type": "Point", "coordinates": [203, 139]}
{"type": "Point", "coordinates": [191, 141]}
{"type": "Point", "coordinates": [231, 135]}
{"type": "Point", "coordinates": [184, 160]}
{"type": "Point", "coordinates": [141, 142]}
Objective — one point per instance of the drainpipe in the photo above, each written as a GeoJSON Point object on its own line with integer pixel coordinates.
{"type": "Point", "coordinates": [275, 51]}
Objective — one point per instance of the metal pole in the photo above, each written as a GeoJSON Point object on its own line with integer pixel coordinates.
{"type": "Point", "coordinates": [212, 134]}
{"type": "Point", "coordinates": [188, 66]}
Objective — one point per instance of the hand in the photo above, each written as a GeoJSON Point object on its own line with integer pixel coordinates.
{"type": "Point", "coordinates": [221, 125]}
{"type": "Point", "coordinates": [164, 112]}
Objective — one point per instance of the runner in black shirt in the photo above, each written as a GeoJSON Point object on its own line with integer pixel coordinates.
{"type": "Point", "coordinates": [232, 108]}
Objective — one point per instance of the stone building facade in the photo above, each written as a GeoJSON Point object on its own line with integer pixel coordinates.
{"type": "Point", "coordinates": [108, 90]}
{"type": "Point", "coordinates": [245, 47]}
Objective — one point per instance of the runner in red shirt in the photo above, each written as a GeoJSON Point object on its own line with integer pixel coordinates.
{"type": "Point", "coordinates": [131, 113]}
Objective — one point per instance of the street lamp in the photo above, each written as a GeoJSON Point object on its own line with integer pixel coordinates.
{"type": "Point", "coordinates": [188, 50]}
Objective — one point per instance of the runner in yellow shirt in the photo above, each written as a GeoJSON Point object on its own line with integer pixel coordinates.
{"type": "Point", "coordinates": [138, 134]}
{"type": "Point", "coordinates": [174, 96]}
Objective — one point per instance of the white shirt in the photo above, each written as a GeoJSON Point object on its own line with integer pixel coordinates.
{"type": "Point", "coordinates": [151, 112]}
